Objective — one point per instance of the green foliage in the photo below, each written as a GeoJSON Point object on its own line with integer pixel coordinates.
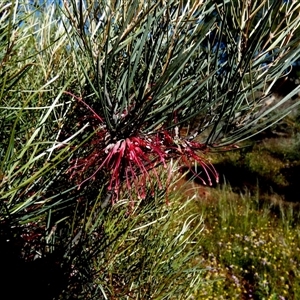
{"type": "Point", "coordinates": [151, 253]}
{"type": "Point", "coordinates": [151, 65]}
{"type": "Point", "coordinates": [143, 71]}
{"type": "Point", "coordinates": [267, 167]}
{"type": "Point", "coordinates": [141, 67]}
{"type": "Point", "coordinates": [32, 111]}
{"type": "Point", "coordinates": [147, 250]}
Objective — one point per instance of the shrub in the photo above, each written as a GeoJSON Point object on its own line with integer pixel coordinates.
{"type": "Point", "coordinates": [98, 95]}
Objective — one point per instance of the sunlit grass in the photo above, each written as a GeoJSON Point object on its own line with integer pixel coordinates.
{"type": "Point", "coordinates": [248, 251]}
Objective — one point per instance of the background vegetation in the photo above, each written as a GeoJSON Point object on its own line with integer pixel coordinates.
{"type": "Point", "coordinates": [102, 105]}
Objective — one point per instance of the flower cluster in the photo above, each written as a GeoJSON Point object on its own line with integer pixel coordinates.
{"type": "Point", "coordinates": [133, 160]}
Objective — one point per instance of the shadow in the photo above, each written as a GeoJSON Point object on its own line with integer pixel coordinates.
{"type": "Point", "coordinates": [292, 191]}
{"type": "Point", "coordinates": [35, 279]}
{"type": "Point", "coordinates": [243, 180]}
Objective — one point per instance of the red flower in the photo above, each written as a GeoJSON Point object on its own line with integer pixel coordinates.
{"type": "Point", "coordinates": [133, 160]}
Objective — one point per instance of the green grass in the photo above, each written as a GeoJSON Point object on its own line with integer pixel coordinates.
{"type": "Point", "coordinates": [248, 251]}
{"type": "Point", "coordinates": [251, 237]}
